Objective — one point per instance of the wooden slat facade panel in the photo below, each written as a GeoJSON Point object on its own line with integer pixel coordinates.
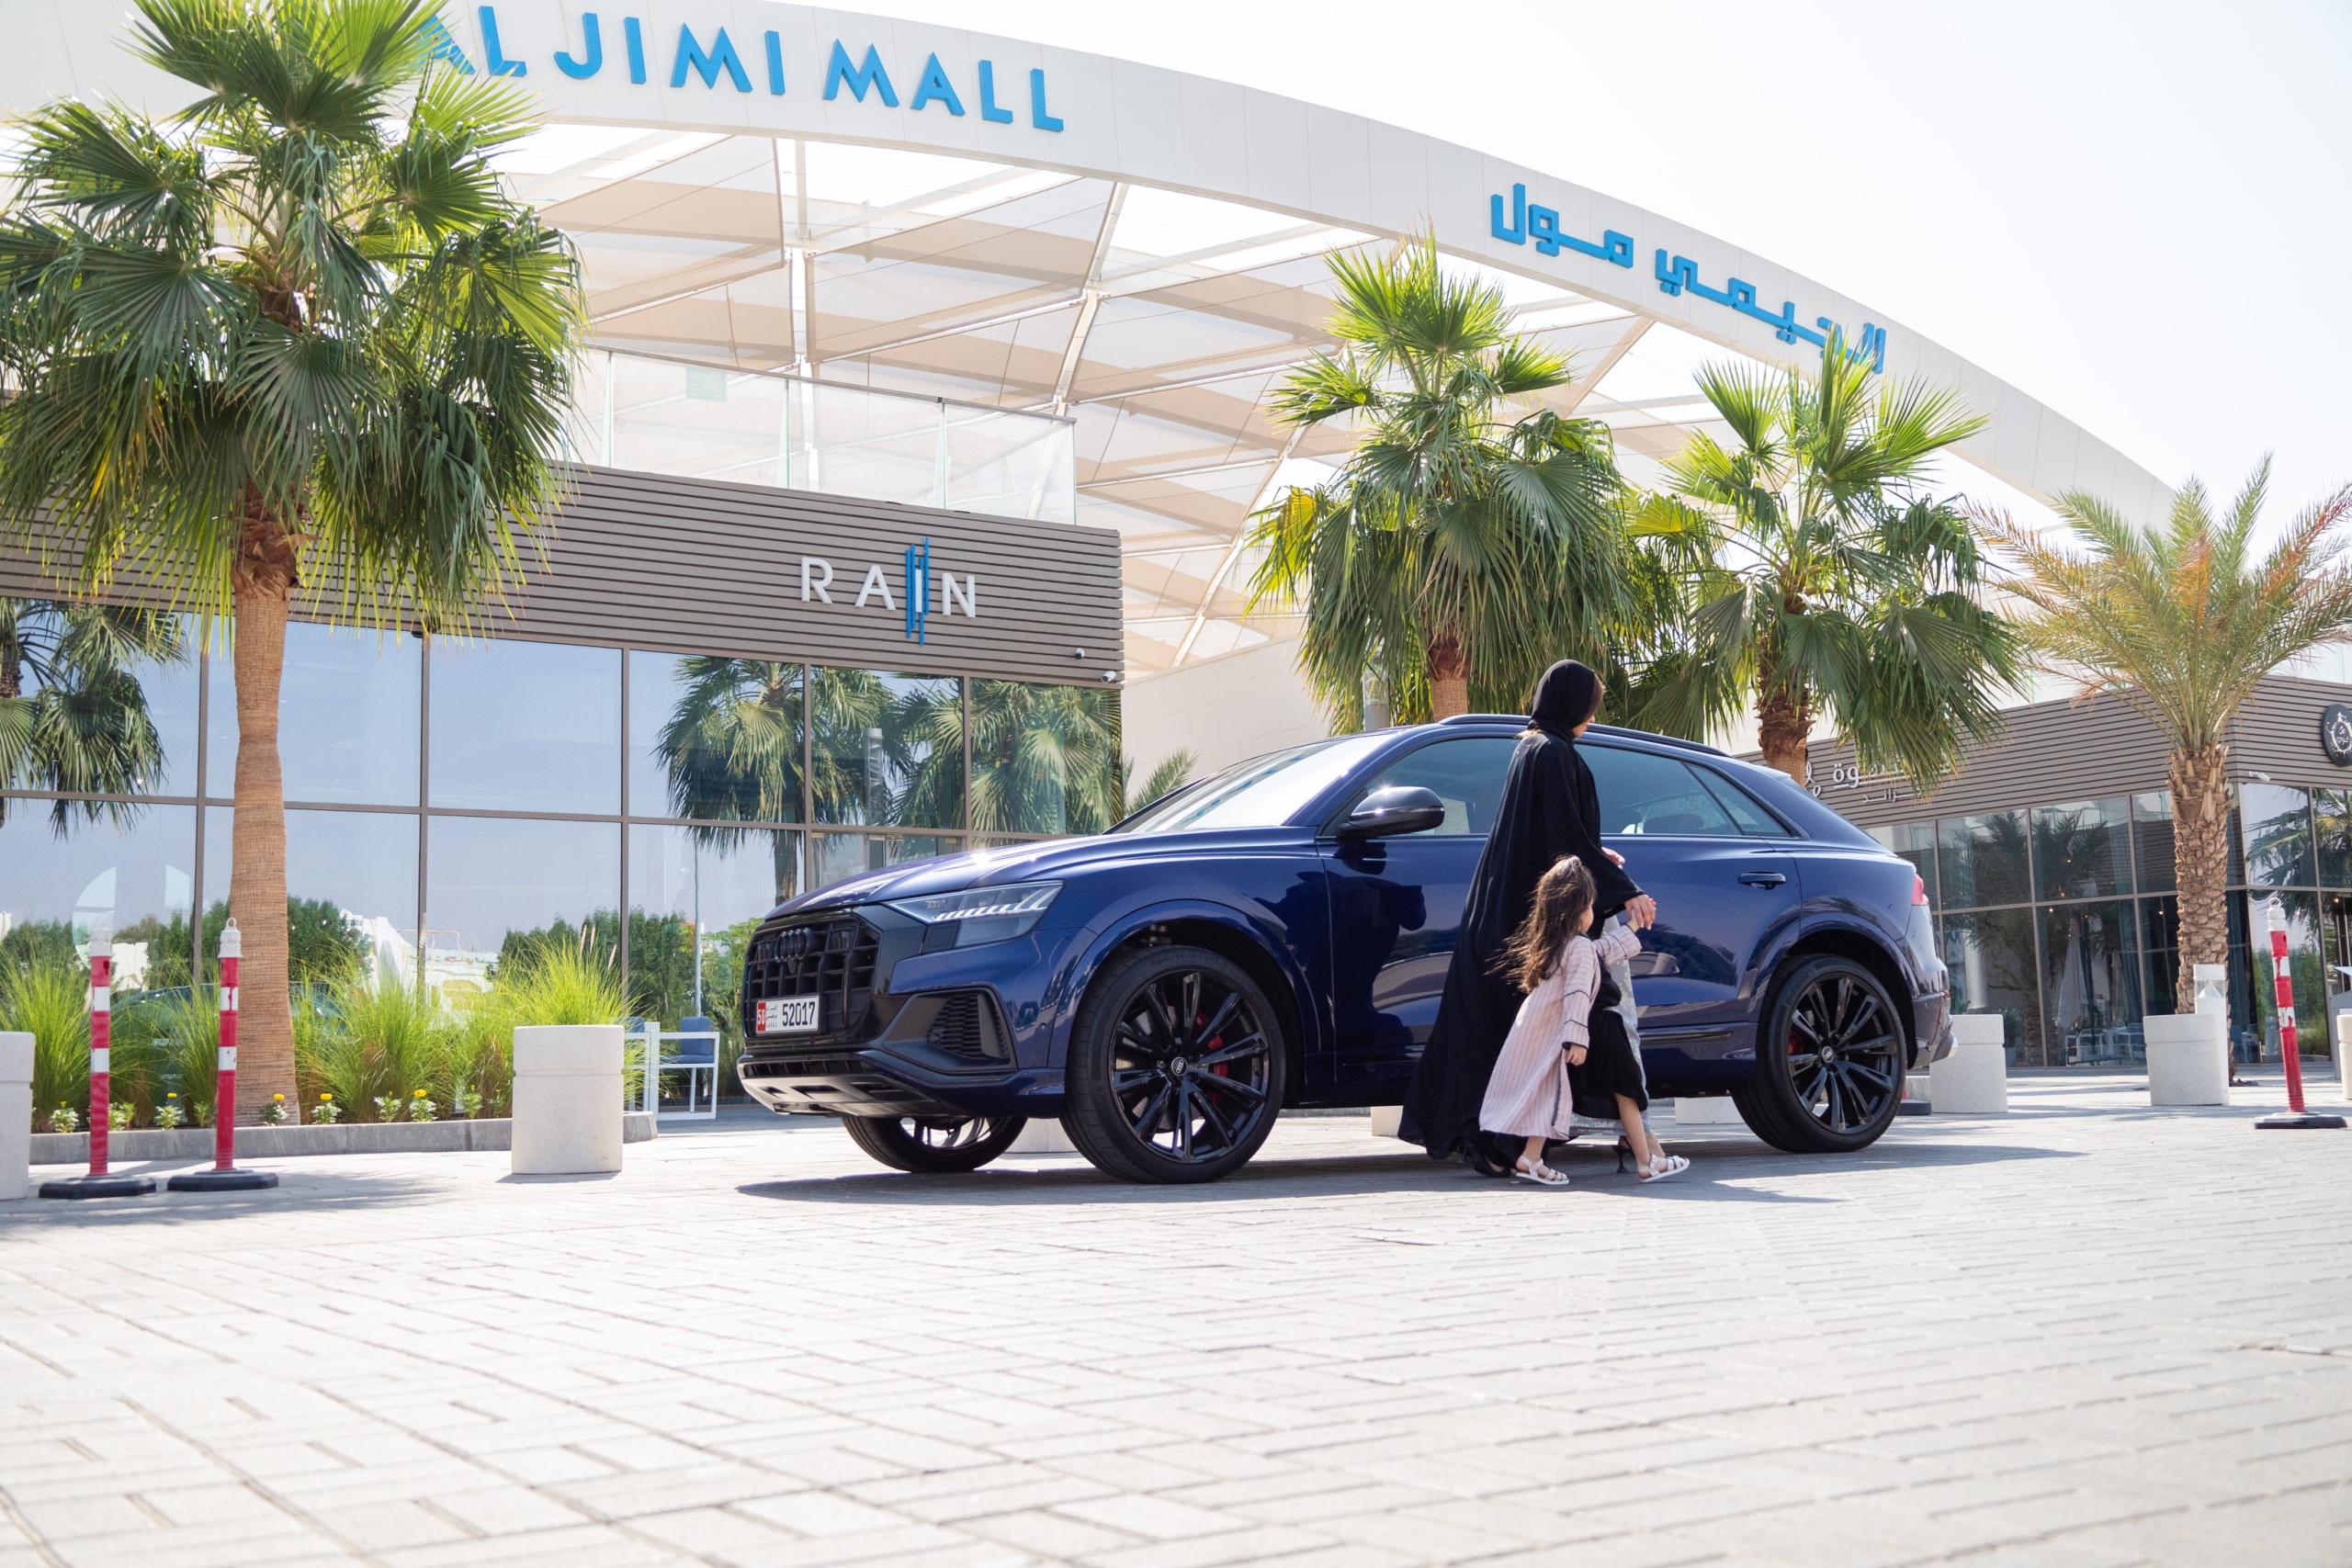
{"type": "Point", "coordinates": [704, 566]}
{"type": "Point", "coordinates": [2050, 753]}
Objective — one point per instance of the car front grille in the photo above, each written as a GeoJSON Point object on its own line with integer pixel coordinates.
{"type": "Point", "coordinates": [831, 958]}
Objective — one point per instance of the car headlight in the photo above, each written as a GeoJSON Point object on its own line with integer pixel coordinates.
{"type": "Point", "coordinates": [984, 914]}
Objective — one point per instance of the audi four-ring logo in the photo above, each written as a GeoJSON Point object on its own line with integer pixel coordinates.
{"type": "Point", "coordinates": [2335, 733]}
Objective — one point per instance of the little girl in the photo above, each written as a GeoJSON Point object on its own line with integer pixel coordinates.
{"type": "Point", "coordinates": [1570, 1002]}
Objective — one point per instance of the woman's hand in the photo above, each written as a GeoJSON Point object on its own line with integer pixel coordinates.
{"type": "Point", "coordinates": [1613, 856]}
{"type": "Point", "coordinates": [1641, 911]}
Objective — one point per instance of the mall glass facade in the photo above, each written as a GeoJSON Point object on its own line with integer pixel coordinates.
{"type": "Point", "coordinates": [450, 803]}
{"type": "Point", "coordinates": [2063, 919]}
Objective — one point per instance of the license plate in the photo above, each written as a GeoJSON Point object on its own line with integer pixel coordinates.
{"type": "Point", "coordinates": [789, 1015]}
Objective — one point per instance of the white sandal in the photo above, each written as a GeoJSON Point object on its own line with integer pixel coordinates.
{"type": "Point", "coordinates": [1668, 1166]}
{"type": "Point", "coordinates": [1539, 1173]}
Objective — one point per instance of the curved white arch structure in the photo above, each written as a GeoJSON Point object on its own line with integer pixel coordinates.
{"type": "Point", "coordinates": [1040, 228]}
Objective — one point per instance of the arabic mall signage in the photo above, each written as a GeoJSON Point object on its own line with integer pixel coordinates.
{"type": "Point", "coordinates": [2336, 734]}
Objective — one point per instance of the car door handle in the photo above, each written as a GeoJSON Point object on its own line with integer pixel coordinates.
{"type": "Point", "coordinates": [1762, 878]}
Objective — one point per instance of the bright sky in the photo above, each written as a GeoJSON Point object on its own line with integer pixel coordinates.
{"type": "Point", "coordinates": [2138, 213]}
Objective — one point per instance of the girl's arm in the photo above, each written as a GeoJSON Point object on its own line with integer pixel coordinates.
{"type": "Point", "coordinates": [1580, 978]}
{"type": "Point", "coordinates": [1618, 942]}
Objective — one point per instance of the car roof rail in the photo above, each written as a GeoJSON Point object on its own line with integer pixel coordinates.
{"type": "Point", "coordinates": [1521, 720]}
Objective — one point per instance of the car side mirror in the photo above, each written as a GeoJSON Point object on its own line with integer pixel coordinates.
{"type": "Point", "coordinates": [1399, 808]}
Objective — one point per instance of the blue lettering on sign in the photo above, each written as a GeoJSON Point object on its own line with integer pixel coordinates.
{"type": "Point", "coordinates": [1739, 294]}
{"type": "Point", "coordinates": [775, 64]}
{"type": "Point", "coordinates": [721, 56]}
{"type": "Point", "coordinates": [1037, 115]}
{"type": "Point", "coordinates": [497, 63]}
{"type": "Point", "coordinates": [869, 74]}
{"type": "Point", "coordinates": [1542, 224]}
{"type": "Point", "coordinates": [935, 85]}
{"type": "Point", "coordinates": [579, 70]}
{"type": "Point", "coordinates": [989, 111]}
{"type": "Point", "coordinates": [634, 36]}
{"type": "Point", "coordinates": [917, 586]}
{"type": "Point", "coordinates": [446, 48]}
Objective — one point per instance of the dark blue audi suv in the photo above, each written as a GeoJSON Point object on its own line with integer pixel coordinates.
{"type": "Point", "coordinates": [1277, 935]}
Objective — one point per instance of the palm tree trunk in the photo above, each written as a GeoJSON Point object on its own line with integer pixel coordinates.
{"type": "Point", "coordinates": [1449, 675]}
{"type": "Point", "coordinates": [1783, 729]}
{"type": "Point", "coordinates": [261, 589]}
{"type": "Point", "coordinates": [2201, 847]}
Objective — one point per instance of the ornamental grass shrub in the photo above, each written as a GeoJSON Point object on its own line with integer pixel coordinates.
{"type": "Point", "coordinates": [50, 1001]}
{"type": "Point", "coordinates": [372, 1040]}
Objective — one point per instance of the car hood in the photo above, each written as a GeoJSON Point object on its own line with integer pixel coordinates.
{"type": "Point", "coordinates": [1033, 862]}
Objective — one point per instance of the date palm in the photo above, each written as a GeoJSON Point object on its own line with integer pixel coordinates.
{"type": "Point", "coordinates": [73, 716]}
{"type": "Point", "coordinates": [1821, 581]}
{"type": "Point", "coordinates": [2181, 622]}
{"type": "Point", "coordinates": [1470, 537]}
{"type": "Point", "coordinates": [295, 340]}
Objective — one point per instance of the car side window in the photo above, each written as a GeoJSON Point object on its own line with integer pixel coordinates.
{"type": "Point", "coordinates": [1753, 819]}
{"type": "Point", "coordinates": [1467, 774]}
{"type": "Point", "coordinates": [1644, 793]}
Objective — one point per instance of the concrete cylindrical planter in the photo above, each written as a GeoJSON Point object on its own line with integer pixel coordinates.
{"type": "Point", "coordinates": [567, 1099]}
{"type": "Point", "coordinates": [1974, 1079]}
{"type": "Point", "coordinates": [2188, 1058]}
{"type": "Point", "coordinates": [2344, 1056]}
{"type": "Point", "coordinates": [16, 1114]}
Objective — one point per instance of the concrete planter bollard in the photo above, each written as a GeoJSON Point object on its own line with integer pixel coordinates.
{"type": "Point", "coordinates": [1387, 1120]}
{"type": "Point", "coordinates": [2344, 1056]}
{"type": "Point", "coordinates": [2188, 1058]}
{"type": "Point", "coordinates": [1042, 1136]}
{"type": "Point", "coordinates": [1974, 1079]}
{"type": "Point", "coordinates": [16, 1114]}
{"type": "Point", "coordinates": [567, 1099]}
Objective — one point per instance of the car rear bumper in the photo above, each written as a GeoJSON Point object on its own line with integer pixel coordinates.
{"type": "Point", "coordinates": [1931, 1027]}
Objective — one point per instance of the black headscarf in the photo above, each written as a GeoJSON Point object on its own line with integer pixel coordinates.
{"type": "Point", "coordinates": [1569, 694]}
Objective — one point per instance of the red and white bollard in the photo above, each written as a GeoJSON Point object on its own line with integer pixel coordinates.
{"type": "Point", "coordinates": [224, 1176]}
{"type": "Point", "coordinates": [2296, 1117]}
{"type": "Point", "coordinates": [99, 1182]}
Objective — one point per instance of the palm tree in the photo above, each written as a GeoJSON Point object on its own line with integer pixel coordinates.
{"type": "Point", "coordinates": [84, 727]}
{"type": "Point", "coordinates": [1822, 583]}
{"type": "Point", "coordinates": [731, 747]}
{"type": "Point", "coordinates": [296, 339]}
{"type": "Point", "coordinates": [2181, 622]}
{"type": "Point", "coordinates": [1045, 758]}
{"type": "Point", "coordinates": [1470, 538]}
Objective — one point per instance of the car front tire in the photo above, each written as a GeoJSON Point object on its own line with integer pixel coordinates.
{"type": "Point", "coordinates": [1829, 1061]}
{"type": "Point", "coordinates": [930, 1146]}
{"type": "Point", "coordinates": [1176, 1067]}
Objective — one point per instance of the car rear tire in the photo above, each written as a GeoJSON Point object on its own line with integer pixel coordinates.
{"type": "Point", "coordinates": [1176, 1067]}
{"type": "Point", "coordinates": [1828, 1062]}
{"type": "Point", "coordinates": [933, 1146]}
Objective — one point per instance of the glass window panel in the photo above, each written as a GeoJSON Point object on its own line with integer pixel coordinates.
{"type": "Point", "coordinates": [170, 688]}
{"type": "Point", "coordinates": [2331, 822]}
{"type": "Point", "coordinates": [1011, 464]}
{"type": "Point", "coordinates": [2090, 984]}
{"type": "Point", "coordinates": [2082, 851]}
{"type": "Point", "coordinates": [889, 749]}
{"type": "Point", "coordinates": [1753, 819]}
{"type": "Point", "coordinates": [350, 888]}
{"type": "Point", "coordinates": [1643, 793]}
{"type": "Point", "coordinates": [1465, 775]}
{"type": "Point", "coordinates": [497, 887]}
{"type": "Point", "coordinates": [2160, 953]}
{"type": "Point", "coordinates": [2306, 966]}
{"type": "Point", "coordinates": [133, 874]}
{"type": "Point", "coordinates": [2152, 840]}
{"type": "Point", "coordinates": [695, 896]}
{"type": "Point", "coordinates": [1915, 842]}
{"type": "Point", "coordinates": [2335, 928]}
{"type": "Point", "coordinates": [526, 727]}
{"type": "Point", "coordinates": [1983, 859]}
{"type": "Point", "coordinates": [33, 629]}
{"type": "Point", "coordinates": [347, 718]}
{"type": "Point", "coordinates": [1992, 970]}
{"type": "Point", "coordinates": [718, 738]}
{"type": "Point", "coordinates": [1045, 758]}
{"type": "Point", "coordinates": [2277, 823]}
{"type": "Point", "coordinates": [839, 856]}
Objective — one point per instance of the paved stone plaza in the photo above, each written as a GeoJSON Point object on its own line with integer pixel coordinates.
{"type": "Point", "coordinates": [2083, 1335]}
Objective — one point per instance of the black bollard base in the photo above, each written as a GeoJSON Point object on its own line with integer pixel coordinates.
{"type": "Point", "coordinates": [2296, 1121]}
{"type": "Point", "coordinates": [98, 1186]}
{"type": "Point", "coordinates": [229, 1180]}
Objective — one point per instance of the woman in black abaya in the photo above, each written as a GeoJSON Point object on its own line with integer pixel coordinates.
{"type": "Point", "coordinates": [1549, 809]}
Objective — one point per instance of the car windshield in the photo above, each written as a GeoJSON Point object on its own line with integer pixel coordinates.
{"type": "Point", "coordinates": [1264, 791]}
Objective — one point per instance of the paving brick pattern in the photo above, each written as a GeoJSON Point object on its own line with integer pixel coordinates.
{"type": "Point", "coordinates": [2085, 1334]}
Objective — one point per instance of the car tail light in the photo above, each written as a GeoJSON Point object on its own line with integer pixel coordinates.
{"type": "Point", "coordinates": [1919, 888]}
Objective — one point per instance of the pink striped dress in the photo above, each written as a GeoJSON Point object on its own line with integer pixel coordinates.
{"type": "Point", "coordinates": [1529, 1091]}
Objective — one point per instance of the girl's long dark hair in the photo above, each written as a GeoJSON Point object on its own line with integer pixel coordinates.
{"type": "Point", "coordinates": [1534, 949]}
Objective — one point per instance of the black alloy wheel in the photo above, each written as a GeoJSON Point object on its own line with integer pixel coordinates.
{"type": "Point", "coordinates": [932, 1145]}
{"type": "Point", "coordinates": [1828, 1064]}
{"type": "Point", "coordinates": [1175, 1067]}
